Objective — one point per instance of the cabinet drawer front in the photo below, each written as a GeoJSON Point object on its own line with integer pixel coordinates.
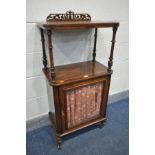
{"type": "Point", "coordinates": [82, 102]}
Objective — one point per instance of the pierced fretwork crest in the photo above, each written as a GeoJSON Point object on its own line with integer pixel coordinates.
{"type": "Point", "coordinates": [69, 16]}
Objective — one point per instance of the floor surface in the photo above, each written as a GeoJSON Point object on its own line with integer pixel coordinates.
{"type": "Point", "coordinates": [112, 139]}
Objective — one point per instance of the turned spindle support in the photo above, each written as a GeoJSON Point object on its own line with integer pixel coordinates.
{"type": "Point", "coordinates": [95, 41]}
{"type": "Point", "coordinates": [49, 33]}
{"type": "Point", "coordinates": [110, 62]}
{"type": "Point", "coordinates": [44, 58]}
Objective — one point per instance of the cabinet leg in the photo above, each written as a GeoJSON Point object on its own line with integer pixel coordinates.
{"type": "Point", "coordinates": [59, 142]}
{"type": "Point", "coordinates": [101, 124]}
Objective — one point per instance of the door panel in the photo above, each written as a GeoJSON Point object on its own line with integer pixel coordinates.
{"type": "Point", "coordinates": [82, 102]}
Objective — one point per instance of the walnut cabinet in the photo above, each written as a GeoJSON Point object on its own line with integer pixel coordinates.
{"type": "Point", "coordinates": [80, 90]}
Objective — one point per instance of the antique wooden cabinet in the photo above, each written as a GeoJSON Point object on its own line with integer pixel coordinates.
{"type": "Point", "coordinates": [80, 90]}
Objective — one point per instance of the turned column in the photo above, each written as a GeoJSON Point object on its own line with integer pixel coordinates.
{"type": "Point", "coordinates": [110, 62]}
{"type": "Point", "coordinates": [95, 41]}
{"type": "Point", "coordinates": [44, 58]}
{"type": "Point", "coordinates": [49, 33]}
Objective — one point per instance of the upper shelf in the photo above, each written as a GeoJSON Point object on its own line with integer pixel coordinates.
{"type": "Point", "coordinates": [71, 20]}
{"type": "Point", "coordinates": [76, 24]}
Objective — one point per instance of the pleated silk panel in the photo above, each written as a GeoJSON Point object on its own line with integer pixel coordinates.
{"type": "Point", "coordinates": [83, 104]}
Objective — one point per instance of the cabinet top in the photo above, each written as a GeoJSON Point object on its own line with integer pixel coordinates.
{"type": "Point", "coordinates": [77, 72]}
{"type": "Point", "coordinates": [71, 20]}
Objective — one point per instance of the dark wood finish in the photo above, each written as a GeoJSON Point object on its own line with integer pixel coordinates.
{"type": "Point", "coordinates": [55, 127]}
{"type": "Point", "coordinates": [65, 88]}
{"type": "Point", "coordinates": [95, 41]}
{"type": "Point", "coordinates": [77, 72]}
{"type": "Point", "coordinates": [84, 125]}
{"type": "Point", "coordinates": [43, 49]}
{"type": "Point", "coordinates": [67, 25]}
{"type": "Point", "coordinates": [110, 62]}
{"type": "Point", "coordinates": [49, 33]}
{"type": "Point", "coordinates": [59, 141]}
{"type": "Point", "coordinates": [68, 16]}
{"type": "Point", "coordinates": [59, 118]}
{"type": "Point", "coordinates": [75, 76]}
{"type": "Point", "coordinates": [105, 97]}
{"type": "Point", "coordinates": [57, 106]}
{"type": "Point", "coordinates": [79, 127]}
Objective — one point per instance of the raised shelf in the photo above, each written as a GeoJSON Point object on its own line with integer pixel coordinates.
{"type": "Point", "coordinates": [76, 72]}
{"type": "Point", "coordinates": [77, 24]}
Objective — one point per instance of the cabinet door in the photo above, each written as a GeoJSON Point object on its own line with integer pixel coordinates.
{"type": "Point", "coordinates": [83, 102]}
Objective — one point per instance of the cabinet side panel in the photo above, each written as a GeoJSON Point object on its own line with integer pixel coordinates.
{"type": "Point", "coordinates": [58, 108]}
{"type": "Point", "coordinates": [55, 106]}
{"type": "Point", "coordinates": [105, 96]}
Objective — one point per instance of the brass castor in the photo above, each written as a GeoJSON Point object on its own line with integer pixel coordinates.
{"type": "Point", "coordinates": [102, 123]}
{"type": "Point", "coordinates": [59, 142]}
{"type": "Point", "coordinates": [59, 146]}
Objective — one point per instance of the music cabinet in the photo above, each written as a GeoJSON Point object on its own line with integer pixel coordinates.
{"type": "Point", "coordinates": [80, 90]}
